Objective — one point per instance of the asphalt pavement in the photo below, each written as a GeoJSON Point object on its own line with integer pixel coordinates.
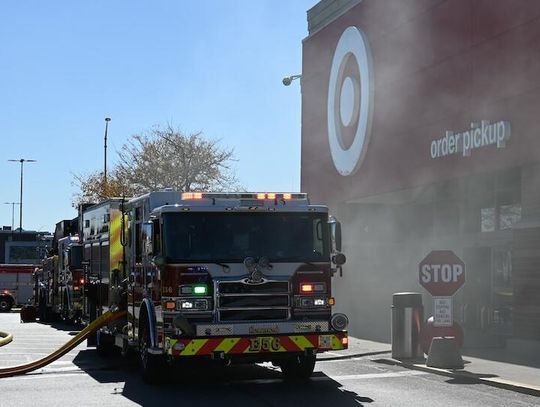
{"type": "Point", "coordinates": [496, 367]}
{"type": "Point", "coordinates": [523, 378]}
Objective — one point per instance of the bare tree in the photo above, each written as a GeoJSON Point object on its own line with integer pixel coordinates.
{"type": "Point", "coordinates": [163, 158]}
{"type": "Point", "coordinates": [92, 188]}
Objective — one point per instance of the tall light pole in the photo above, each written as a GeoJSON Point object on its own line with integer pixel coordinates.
{"type": "Point", "coordinates": [107, 120]}
{"type": "Point", "coordinates": [12, 212]}
{"type": "Point", "coordinates": [22, 161]}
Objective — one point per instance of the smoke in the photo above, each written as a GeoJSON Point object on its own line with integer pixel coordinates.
{"type": "Point", "coordinates": [449, 165]}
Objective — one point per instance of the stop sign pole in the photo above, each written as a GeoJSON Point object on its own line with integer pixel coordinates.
{"type": "Point", "coordinates": [442, 273]}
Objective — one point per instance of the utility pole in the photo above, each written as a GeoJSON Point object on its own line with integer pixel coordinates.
{"type": "Point", "coordinates": [22, 161]}
{"type": "Point", "coordinates": [12, 212]}
{"type": "Point", "coordinates": [107, 120]}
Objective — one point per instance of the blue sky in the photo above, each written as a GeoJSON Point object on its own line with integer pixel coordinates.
{"type": "Point", "coordinates": [211, 66]}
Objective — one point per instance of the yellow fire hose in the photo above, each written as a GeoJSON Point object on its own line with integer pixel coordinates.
{"type": "Point", "coordinates": [5, 338]}
{"type": "Point", "coordinates": [81, 336]}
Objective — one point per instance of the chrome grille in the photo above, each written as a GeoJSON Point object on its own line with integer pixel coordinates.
{"type": "Point", "coordinates": [240, 301]}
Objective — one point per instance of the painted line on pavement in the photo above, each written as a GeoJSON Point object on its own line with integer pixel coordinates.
{"type": "Point", "coordinates": [363, 376]}
{"type": "Point", "coordinates": [386, 375]}
{"type": "Point", "coordinates": [69, 371]}
{"type": "Point", "coordinates": [34, 376]}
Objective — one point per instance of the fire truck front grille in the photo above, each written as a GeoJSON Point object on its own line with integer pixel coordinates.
{"type": "Point", "coordinates": [239, 301]}
{"type": "Point", "coordinates": [258, 302]}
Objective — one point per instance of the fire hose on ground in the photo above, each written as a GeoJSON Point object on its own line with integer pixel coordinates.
{"type": "Point", "coordinates": [5, 338]}
{"type": "Point", "coordinates": [81, 336]}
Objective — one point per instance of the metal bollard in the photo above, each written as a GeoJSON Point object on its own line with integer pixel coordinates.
{"type": "Point", "coordinates": [407, 321]}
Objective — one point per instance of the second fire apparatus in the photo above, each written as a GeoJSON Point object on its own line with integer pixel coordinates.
{"type": "Point", "coordinates": [235, 277]}
{"type": "Point", "coordinates": [60, 279]}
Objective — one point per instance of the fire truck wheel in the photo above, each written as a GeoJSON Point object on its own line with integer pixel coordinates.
{"type": "Point", "coordinates": [299, 367]}
{"type": "Point", "coordinates": [65, 310]}
{"type": "Point", "coordinates": [5, 304]}
{"type": "Point", "coordinates": [42, 308]}
{"type": "Point", "coordinates": [152, 365]}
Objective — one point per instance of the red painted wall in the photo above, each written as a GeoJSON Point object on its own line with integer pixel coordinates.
{"type": "Point", "coordinates": [437, 66]}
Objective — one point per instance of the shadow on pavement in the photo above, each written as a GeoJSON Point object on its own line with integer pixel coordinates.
{"type": "Point", "coordinates": [210, 385]}
{"type": "Point", "coordinates": [73, 329]}
{"type": "Point", "coordinates": [463, 380]}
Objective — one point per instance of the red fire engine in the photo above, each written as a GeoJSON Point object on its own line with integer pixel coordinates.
{"type": "Point", "coordinates": [234, 277]}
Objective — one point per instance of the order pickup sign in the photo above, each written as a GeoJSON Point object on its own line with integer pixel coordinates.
{"type": "Point", "coordinates": [442, 273]}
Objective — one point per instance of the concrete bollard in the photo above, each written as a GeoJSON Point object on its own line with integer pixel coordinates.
{"type": "Point", "coordinates": [444, 353]}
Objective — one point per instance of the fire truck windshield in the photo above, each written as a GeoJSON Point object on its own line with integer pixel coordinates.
{"type": "Point", "coordinates": [233, 236]}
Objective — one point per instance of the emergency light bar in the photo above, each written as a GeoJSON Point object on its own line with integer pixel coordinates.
{"type": "Point", "coordinates": [252, 195]}
{"type": "Point", "coordinates": [192, 195]}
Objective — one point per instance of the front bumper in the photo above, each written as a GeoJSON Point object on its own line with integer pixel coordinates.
{"type": "Point", "coordinates": [256, 345]}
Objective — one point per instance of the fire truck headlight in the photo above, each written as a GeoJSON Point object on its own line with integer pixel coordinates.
{"type": "Point", "coordinates": [319, 302]}
{"type": "Point", "coordinates": [339, 322]}
{"type": "Point", "coordinates": [185, 304]}
{"type": "Point", "coordinates": [306, 302]}
{"type": "Point", "coordinates": [193, 304]}
{"type": "Point", "coordinates": [201, 304]}
{"type": "Point", "coordinates": [311, 302]}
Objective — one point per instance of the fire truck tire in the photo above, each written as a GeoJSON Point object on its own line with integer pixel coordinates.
{"type": "Point", "coordinates": [65, 310]}
{"type": "Point", "coordinates": [42, 308]}
{"type": "Point", "coordinates": [5, 304]}
{"type": "Point", "coordinates": [299, 367]}
{"type": "Point", "coordinates": [152, 365]}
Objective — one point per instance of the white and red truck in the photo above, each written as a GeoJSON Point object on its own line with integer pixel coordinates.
{"type": "Point", "coordinates": [16, 285]}
{"type": "Point", "coordinates": [232, 277]}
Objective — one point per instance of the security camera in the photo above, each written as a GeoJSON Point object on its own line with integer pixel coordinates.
{"type": "Point", "coordinates": [288, 80]}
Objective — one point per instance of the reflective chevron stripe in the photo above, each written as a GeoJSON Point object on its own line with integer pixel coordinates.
{"type": "Point", "coordinates": [255, 344]}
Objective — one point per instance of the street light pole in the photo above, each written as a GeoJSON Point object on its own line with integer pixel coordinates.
{"type": "Point", "coordinates": [12, 212]}
{"type": "Point", "coordinates": [22, 161]}
{"type": "Point", "coordinates": [107, 120]}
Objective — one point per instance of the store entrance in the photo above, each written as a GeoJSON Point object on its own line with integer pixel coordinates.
{"type": "Point", "coordinates": [486, 299]}
{"type": "Point", "coordinates": [476, 295]}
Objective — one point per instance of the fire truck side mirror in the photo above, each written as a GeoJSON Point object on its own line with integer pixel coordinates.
{"type": "Point", "coordinates": [147, 232]}
{"type": "Point", "coordinates": [335, 234]}
{"type": "Point", "coordinates": [339, 259]}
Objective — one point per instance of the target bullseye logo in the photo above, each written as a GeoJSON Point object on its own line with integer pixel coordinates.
{"type": "Point", "coordinates": [350, 101]}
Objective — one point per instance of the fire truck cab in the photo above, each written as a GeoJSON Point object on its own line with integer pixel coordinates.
{"type": "Point", "coordinates": [235, 277]}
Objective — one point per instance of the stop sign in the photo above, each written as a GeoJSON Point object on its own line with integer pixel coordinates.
{"type": "Point", "coordinates": [442, 273]}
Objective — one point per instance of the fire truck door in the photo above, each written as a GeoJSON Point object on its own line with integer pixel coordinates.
{"type": "Point", "coordinates": [136, 276]}
{"type": "Point", "coordinates": [150, 272]}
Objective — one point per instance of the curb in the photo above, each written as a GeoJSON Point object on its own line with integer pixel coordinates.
{"type": "Point", "coordinates": [471, 377]}
{"type": "Point", "coordinates": [355, 355]}
{"type": "Point", "coordinates": [5, 338]}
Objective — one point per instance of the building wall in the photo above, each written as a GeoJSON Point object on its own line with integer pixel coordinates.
{"type": "Point", "coordinates": [23, 247]}
{"type": "Point", "coordinates": [437, 66]}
